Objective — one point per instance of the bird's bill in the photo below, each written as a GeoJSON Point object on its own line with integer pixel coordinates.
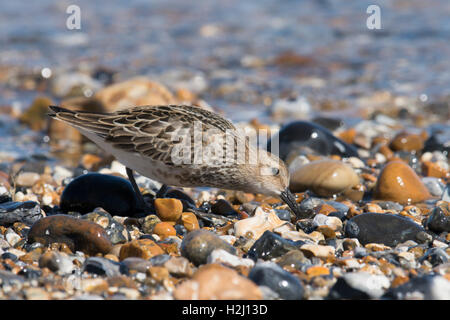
{"type": "Point", "coordinates": [289, 199]}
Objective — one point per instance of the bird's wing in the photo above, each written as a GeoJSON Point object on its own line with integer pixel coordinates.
{"type": "Point", "coordinates": [151, 131]}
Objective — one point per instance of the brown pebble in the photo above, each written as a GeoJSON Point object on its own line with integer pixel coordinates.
{"type": "Point", "coordinates": [79, 235]}
{"type": "Point", "coordinates": [324, 177]}
{"type": "Point", "coordinates": [216, 282]}
{"type": "Point", "coordinates": [158, 273]}
{"type": "Point", "coordinates": [398, 182]}
{"type": "Point", "coordinates": [405, 141]}
{"type": "Point", "coordinates": [164, 230]}
{"type": "Point", "coordinates": [190, 221]}
{"type": "Point", "coordinates": [142, 248]}
{"type": "Point", "coordinates": [431, 169]}
{"type": "Point", "coordinates": [169, 209]}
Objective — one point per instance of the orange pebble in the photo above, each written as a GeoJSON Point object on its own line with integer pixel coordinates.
{"type": "Point", "coordinates": [164, 230]}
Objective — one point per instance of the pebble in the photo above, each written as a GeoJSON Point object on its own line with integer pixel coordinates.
{"type": "Point", "coordinates": [104, 267]}
{"type": "Point", "coordinates": [27, 212]}
{"type": "Point", "coordinates": [224, 208]}
{"type": "Point", "coordinates": [405, 141]}
{"type": "Point", "coordinates": [78, 234]}
{"type": "Point", "coordinates": [434, 186]}
{"type": "Point", "coordinates": [142, 248]}
{"type": "Point", "coordinates": [435, 256]}
{"type": "Point", "coordinates": [323, 177]}
{"type": "Point", "coordinates": [216, 282]}
{"type": "Point", "coordinates": [57, 262]}
{"type": "Point", "coordinates": [299, 136]}
{"type": "Point", "coordinates": [382, 228]}
{"type": "Point", "coordinates": [424, 287]}
{"type": "Point", "coordinates": [12, 237]}
{"type": "Point", "coordinates": [333, 222]}
{"type": "Point", "coordinates": [271, 275]}
{"type": "Point", "coordinates": [316, 250]}
{"type": "Point", "coordinates": [93, 190]}
{"type": "Point", "coordinates": [27, 179]}
{"type": "Point", "coordinates": [293, 259]}
{"type": "Point", "coordinates": [164, 230]}
{"type": "Point", "coordinates": [137, 264]}
{"type": "Point", "coordinates": [308, 205]}
{"type": "Point", "coordinates": [168, 209]}
{"type": "Point", "coordinates": [149, 223]}
{"type": "Point", "coordinates": [359, 285]}
{"type": "Point", "coordinates": [255, 226]}
{"type": "Point", "coordinates": [398, 182]}
{"type": "Point", "coordinates": [138, 91]}
{"type": "Point", "coordinates": [197, 245]}
{"type": "Point", "coordinates": [190, 221]}
{"type": "Point", "coordinates": [223, 257]}
{"type": "Point", "coordinates": [270, 245]}
{"type": "Point", "coordinates": [284, 215]}
{"type": "Point", "coordinates": [437, 221]}
{"type": "Point", "coordinates": [179, 267]}
{"type": "Point", "coordinates": [446, 193]}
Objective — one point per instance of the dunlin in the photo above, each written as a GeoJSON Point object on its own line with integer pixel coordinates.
{"type": "Point", "coordinates": [145, 139]}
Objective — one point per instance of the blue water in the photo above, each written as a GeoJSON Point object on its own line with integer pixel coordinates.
{"type": "Point", "coordinates": [213, 39]}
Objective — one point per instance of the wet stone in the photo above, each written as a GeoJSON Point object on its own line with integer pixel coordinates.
{"type": "Point", "coordinates": [307, 206]}
{"type": "Point", "coordinates": [104, 267]}
{"type": "Point", "coordinates": [359, 285]}
{"type": "Point", "coordinates": [93, 190]}
{"type": "Point", "coordinates": [270, 245]}
{"type": "Point", "coordinates": [434, 186]}
{"type": "Point", "coordinates": [303, 137]}
{"type": "Point", "coordinates": [387, 229]}
{"type": "Point", "coordinates": [143, 248]}
{"type": "Point", "coordinates": [116, 232]}
{"type": "Point", "coordinates": [56, 262]}
{"type": "Point", "coordinates": [78, 234]}
{"type": "Point", "coordinates": [216, 282]}
{"type": "Point", "coordinates": [306, 225]}
{"type": "Point", "coordinates": [398, 182]}
{"type": "Point", "coordinates": [435, 256]}
{"type": "Point", "coordinates": [224, 208]}
{"type": "Point", "coordinates": [197, 245]}
{"type": "Point", "coordinates": [446, 193]}
{"type": "Point", "coordinates": [293, 259]}
{"type": "Point", "coordinates": [168, 209]}
{"type": "Point", "coordinates": [159, 260]}
{"type": "Point", "coordinates": [27, 212]}
{"type": "Point", "coordinates": [271, 275]}
{"type": "Point", "coordinates": [283, 214]}
{"type": "Point", "coordinates": [137, 264]}
{"type": "Point", "coordinates": [7, 277]}
{"type": "Point", "coordinates": [187, 201]}
{"type": "Point", "coordinates": [323, 177]}
{"type": "Point", "coordinates": [425, 287]}
{"type": "Point", "coordinates": [437, 221]}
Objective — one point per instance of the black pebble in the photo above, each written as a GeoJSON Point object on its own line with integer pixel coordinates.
{"type": "Point", "coordinates": [271, 245]}
{"type": "Point", "coordinates": [271, 275]}
{"type": "Point", "coordinates": [437, 221]}
{"type": "Point", "coordinates": [388, 229]}
{"type": "Point", "coordinates": [303, 136]}
{"type": "Point", "coordinates": [27, 212]}
{"type": "Point", "coordinates": [224, 208]}
{"type": "Point", "coordinates": [92, 190]}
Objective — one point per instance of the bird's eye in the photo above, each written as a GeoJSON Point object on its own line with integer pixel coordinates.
{"type": "Point", "coordinates": [275, 171]}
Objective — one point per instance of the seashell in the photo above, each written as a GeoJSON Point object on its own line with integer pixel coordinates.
{"type": "Point", "coordinates": [255, 226]}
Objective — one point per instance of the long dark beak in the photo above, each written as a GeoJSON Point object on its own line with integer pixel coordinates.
{"type": "Point", "coordinates": [289, 199]}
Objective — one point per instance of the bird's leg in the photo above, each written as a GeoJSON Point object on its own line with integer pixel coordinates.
{"type": "Point", "coordinates": [162, 191]}
{"type": "Point", "coordinates": [141, 200]}
{"type": "Point", "coordinates": [289, 199]}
